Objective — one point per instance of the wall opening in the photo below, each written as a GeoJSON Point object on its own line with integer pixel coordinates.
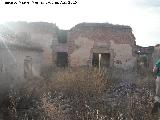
{"type": "Point", "coordinates": [101, 60]}
{"type": "Point", "coordinates": [62, 36]}
{"type": "Point", "coordinates": [28, 73]}
{"type": "Point", "coordinates": [1, 67]}
{"type": "Point", "coordinates": [62, 59]}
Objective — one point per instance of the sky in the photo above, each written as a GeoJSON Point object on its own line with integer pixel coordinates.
{"type": "Point", "coordinates": [142, 15]}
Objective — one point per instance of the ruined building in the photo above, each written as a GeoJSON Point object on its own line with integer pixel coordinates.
{"type": "Point", "coordinates": [43, 44]}
{"type": "Point", "coordinates": [40, 33]}
{"type": "Point", "coordinates": [95, 44]}
{"type": "Point", "coordinates": [18, 61]}
{"type": "Point", "coordinates": [144, 57]}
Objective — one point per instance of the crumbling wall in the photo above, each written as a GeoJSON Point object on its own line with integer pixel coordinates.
{"type": "Point", "coordinates": [104, 33]}
{"type": "Point", "coordinates": [81, 54]}
{"type": "Point", "coordinates": [123, 57]}
{"type": "Point", "coordinates": [144, 57]}
{"type": "Point", "coordinates": [12, 64]}
{"type": "Point", "coordinates": [118, 41]}
{"type": "Point", "coordinates": [40, 33]}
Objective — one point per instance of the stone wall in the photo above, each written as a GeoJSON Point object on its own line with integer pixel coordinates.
{"type": "Point", "coordinates": [144, 56]}
{"type": "Point", "coordinates": [40, 33]}
{"type": "Point", "coordinates": [82, 41]}
{"type": "Point", "coordinates": [85, 39]}
{"type": "Point", "coordinates": [12, 64]}
{"type": "Point", "coordinates": [81, 53]}
{"type": "Point", "coordinates": [123, 57]}
{"type": "Point", "coordinates": [104, 33]}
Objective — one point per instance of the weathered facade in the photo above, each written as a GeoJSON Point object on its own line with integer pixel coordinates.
{"type": "Point", "coordinates": [95, 44]}
{"type": "Point", "coordinates": [15, 65]}
{"type": "Point", "coordinates": [144, 57]}
{"type": "Point", "coordinates": [86, 44]}
{"type": "Point", "coordinates": [40, 33]}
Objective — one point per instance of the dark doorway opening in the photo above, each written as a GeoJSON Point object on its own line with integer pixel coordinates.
{"type": "Point", "coordinates": [62, 59]}
{"type": "Point", "coordinates": [101, 60]}
{"type": "Point", "coordinates": [62, 36]}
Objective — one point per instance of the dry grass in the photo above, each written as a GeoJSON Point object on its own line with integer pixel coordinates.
{"type": "Point", "coordinates": [84, 87]}
{"type": "Point", "coordinates": [77, 94]}
{"type": "Point", "coordinates": [50, 110]}
{"type": "Point", "coordinates": [87, 82]}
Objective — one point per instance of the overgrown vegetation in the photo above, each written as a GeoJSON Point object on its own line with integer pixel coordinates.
{"type": "Point", "coordinates": [82, 94]}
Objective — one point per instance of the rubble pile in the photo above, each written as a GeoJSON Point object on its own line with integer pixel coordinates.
{"type": "Point", "coordinates": [128, 99]}
{"type": "Point", "coordinates": [124, 89]}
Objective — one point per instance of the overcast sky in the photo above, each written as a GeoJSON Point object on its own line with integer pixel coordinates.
{"type": "Point", "coordinates": [142, 15]}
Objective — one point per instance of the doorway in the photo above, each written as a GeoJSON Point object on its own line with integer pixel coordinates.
{"type": "Point", "coordinates": [101, 60]}
{"type": "Point", "coordinates": [62, 59]}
